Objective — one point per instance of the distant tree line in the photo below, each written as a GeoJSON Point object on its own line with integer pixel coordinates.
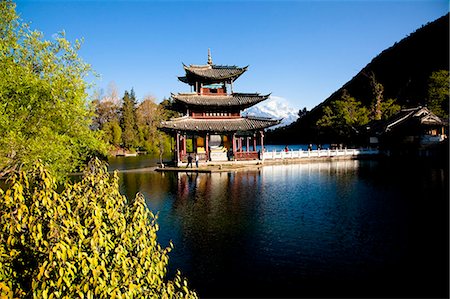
{"type": "Point", "coordinates": [129, 125]}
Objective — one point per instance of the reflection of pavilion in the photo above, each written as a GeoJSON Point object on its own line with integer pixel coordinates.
{"type": "Point", "coordinates": [216, 187]}
{"type": "Point", "coordinates": [212, 126]}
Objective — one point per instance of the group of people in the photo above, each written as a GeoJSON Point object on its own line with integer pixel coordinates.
{"type": "Point", "coordinates": [189, 159]}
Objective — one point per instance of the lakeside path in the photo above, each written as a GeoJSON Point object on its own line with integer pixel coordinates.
{"type": "Point", "coordinates": [230, 166]}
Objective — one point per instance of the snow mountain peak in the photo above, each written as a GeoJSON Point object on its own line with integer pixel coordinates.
{"type": "Point", "coordinates": [274, 107]}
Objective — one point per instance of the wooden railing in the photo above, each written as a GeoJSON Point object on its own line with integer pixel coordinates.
{"type": "Point", "coordinates": [246, 156]}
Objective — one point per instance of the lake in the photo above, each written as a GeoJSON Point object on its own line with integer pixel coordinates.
{"type": "Point", "coordinates": [368, 228]}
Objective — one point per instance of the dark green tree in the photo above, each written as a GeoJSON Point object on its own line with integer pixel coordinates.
{"type": "Point", "coordinates": [343, 118]}
{"type": "Point", "coordinates": [128, 120]}
{"type": "Point", "coordinates": [170, 109]}
{"type": "Point", "coordinates": [112, 133]}
{"type": "Point", "coordinates": [438, 93]}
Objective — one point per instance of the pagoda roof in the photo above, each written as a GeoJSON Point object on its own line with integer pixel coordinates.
{"type": "Point", "coordinates": [211, 73]}
{"type": "Point", "coordinates": [187, 123]}
{"type": "Point", "coordinates": [243, 100]}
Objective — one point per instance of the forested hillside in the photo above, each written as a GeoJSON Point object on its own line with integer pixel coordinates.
{"type": "Point", "coordinates": [400, 74]}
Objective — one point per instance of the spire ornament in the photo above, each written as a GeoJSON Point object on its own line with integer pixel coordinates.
{"type": "Point", "coordinates": [209, 57]}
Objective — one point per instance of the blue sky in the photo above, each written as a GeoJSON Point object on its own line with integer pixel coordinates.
{"type": "Point", "coordinates": [301, 51]}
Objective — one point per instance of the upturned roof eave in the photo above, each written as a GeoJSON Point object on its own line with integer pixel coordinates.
{"type": "Point", "coordinates": [224, 100]}
{"type": "Point", "coordinates": [192, 76]}
{"type": "Point", "coordinates": [182, 124]}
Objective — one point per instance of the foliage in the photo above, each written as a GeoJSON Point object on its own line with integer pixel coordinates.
{"type": "Point", "coordinates": [343, 117]}
{"type": "Point", "coordinates": [113, 133]}
{"type": "Point", "coordinates": [128, 120]}
{"type": "Point", "coordinates": [106, 111]}
{"type": "Point", "coordinates": [302, 112]}
{"type": "Point", "coordinates": [171, 109]}
{"type": "Point", "coordinates": [138, 123]}
{"type": "Point", "coordinates": [149, 116]}
{"type": "Point", "coordinates": [388, 108]}
{"type": "Point", "coordinates": [438, 93]}
{"type": "Point", "coordinates": [42, 99]}
{"type": "Point", "coordinates": [87, 241]}
{"type": "Point", "coordinates": [377, 89]}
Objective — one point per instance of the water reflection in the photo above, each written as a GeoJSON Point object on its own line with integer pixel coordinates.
{"type": "Point", "coordinates": [321, 229]}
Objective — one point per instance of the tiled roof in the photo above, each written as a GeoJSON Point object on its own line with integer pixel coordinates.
{"type": "Point", "coordinates": [243, 100]}
{"type": "Point", "coordinates": [406, 117]}
{"type": "Point", "coordinates": [219, 125]}
{"type": "Point", "coordinates": [420, 114]}
{"type": "Point", "coordinates": [211, 73]}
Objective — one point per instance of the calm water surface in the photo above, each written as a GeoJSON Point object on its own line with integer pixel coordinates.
{"type": "Point", "coordinates": [331, 229]}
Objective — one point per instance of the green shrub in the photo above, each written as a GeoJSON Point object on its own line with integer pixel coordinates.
{"type": "Point", "coordinates": [86, 241]}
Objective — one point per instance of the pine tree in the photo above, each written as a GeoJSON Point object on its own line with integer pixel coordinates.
{"type": "Point", "coordinates": [128, 120]}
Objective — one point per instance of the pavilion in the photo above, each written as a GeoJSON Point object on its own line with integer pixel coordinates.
{"type": "Point", "coordinates": [212, 125]}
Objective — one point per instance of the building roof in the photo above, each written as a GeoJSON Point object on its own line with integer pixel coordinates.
{"type": "Point", "coordinates": [242, 100]}
{"type": "Point", "coordinates": [211, 73]}
{"type": "Point", "coordinates": [419, 115]}
{"type": "Point", "coordinates": [408, 117]}
{"type": "Point", "coordinates": [218, 125]}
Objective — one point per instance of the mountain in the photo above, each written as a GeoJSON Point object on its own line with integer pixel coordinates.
{"type": "Point", "coordinates": [274, 107]}
{"type": "Point", "coordinates": [402, 69]}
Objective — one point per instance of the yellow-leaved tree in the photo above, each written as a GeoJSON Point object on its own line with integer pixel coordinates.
{"type": "Point", "coordinates": [85, 241]}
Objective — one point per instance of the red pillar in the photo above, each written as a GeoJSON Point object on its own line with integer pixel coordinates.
{"type": "Point", "coordinates": [234, 144]}
{"type": "Point", "coordinates": [207, 146]}
{"type": "Point", "coordinates": [248, 144]}
{"type": "Point", "coordinates": [254, 142]}
{"type": "Point", "coordinates": [177, 138]}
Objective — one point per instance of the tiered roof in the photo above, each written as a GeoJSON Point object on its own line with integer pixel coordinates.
{"type": "Point", "coordinates": [242, 100]}
{"type": "Point", "coordinates": [211, 73]}
{"type": "Point", "coordinates": [219, 125]}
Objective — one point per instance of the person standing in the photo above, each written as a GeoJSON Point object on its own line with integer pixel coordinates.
{"type": "Point", "coordinates": [196, 160]}
{"type": "Point", "coordinates": [189, 159]}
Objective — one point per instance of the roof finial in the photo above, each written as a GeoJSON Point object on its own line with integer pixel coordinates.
{"type": "Point", "coordinates": [209, 57]}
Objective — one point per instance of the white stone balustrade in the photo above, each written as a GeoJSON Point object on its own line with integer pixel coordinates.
{"type": "Point", "coordinates": [292, 154]}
